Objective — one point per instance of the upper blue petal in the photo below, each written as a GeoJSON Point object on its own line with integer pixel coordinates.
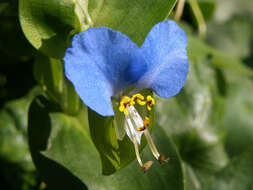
{"type": "Point", "coordinates": [164, 50]}
{"type": "Point", "coordinates": [137, 66]}
{"type": "Point", "coordinates": [95, 65]}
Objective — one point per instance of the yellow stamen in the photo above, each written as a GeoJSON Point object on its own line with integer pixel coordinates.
{"type": "Point", "coordinates": [126, 101]}
{"type": "Point", "coordinates": [121, 108]}
{"type": "Point", "coordinates": [146, 121]}
{"type": "Point", "coordinates": [139, 98]}
{"type": "Point", "coordinates": [126, 111]}
{"type": "Point", "coordinates": [145, 124]}
{"type": "Point", "coordinates": [141, 103]}
{"type": "Point", "coordinates": [150, 102]}
{"type": "Point", "coordinates": [136, 126]}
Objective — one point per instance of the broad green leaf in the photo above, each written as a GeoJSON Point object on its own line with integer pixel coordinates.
{"type": "Point", "coordinates": [134, 19]}
{"type": "Point", "coordinates": [64, 154]}
{"type": "Point", "coordinates": [49, 25]}
{"type": "Point", "coordinates": [104, 136]}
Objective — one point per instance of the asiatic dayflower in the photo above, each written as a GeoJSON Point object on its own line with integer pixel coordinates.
{"type": "Point", "coordinates": [102, 63]}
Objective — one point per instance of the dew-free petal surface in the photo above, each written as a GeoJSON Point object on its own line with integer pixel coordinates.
{"type": "Point", "coordinates": [165, 53]}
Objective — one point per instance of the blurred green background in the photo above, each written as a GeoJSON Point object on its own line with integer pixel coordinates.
{"type": "Point", "coordinates": [47, 138]}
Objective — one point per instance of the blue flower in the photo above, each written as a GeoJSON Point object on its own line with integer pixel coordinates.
{"type": "Point", "coordinates": [102, 63]}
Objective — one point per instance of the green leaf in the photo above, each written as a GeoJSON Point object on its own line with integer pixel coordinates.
{"type": "Point", "coordinates": [134, 19]}
{"type": "Point", "coordinates": [103, 132]}
{"type": "Point", "coordinates": [64, 154]}
{"type": "Point", "coordinates": [50, 24]}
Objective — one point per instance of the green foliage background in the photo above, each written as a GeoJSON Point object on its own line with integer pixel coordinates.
{"type": "Point", "coordinates": [50, 140]}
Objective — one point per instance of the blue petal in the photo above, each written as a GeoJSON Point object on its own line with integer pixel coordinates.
{"type": "Point", "coordinates": [137, 67]}
{"type": "Point", "coordinates": [165, 53]}
{"type": "Point", "coordinates": [95, 65]}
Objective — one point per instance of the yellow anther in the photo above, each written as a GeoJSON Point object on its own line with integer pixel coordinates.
{"type": "Point", "coordinates": [145, 124]}
{"type": "Point", "coordinates": [139, 98]}
{"type": "Point", "coordinates": [126, 101]}
{"type": "Point", "coordinates": [142, 103]}
{"type": "Point", "coordinates": [126, 111]}
{"type": "Point", "coordinates": [146, 121]}
{"type": "Point", "coordinates": [150, 102]}
{"type": "Point", "coordinates": [121, 108]}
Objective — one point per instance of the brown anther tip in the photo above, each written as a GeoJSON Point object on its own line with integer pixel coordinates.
{"type": "Point", "coordinates": [145, 167]}
{"type": "Point", "coordinates": [162, 159]}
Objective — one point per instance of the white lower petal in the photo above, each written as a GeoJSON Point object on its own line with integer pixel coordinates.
{"type": "Point", "coordinates": [131, 131]}
{"type": "Point", "coordinates": [135, 116]}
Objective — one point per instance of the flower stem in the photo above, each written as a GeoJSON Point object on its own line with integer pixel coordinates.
{"type": "Point", "coordinates": [179, 10]}
{"type": "Point", "coordinates": [199, 17]}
